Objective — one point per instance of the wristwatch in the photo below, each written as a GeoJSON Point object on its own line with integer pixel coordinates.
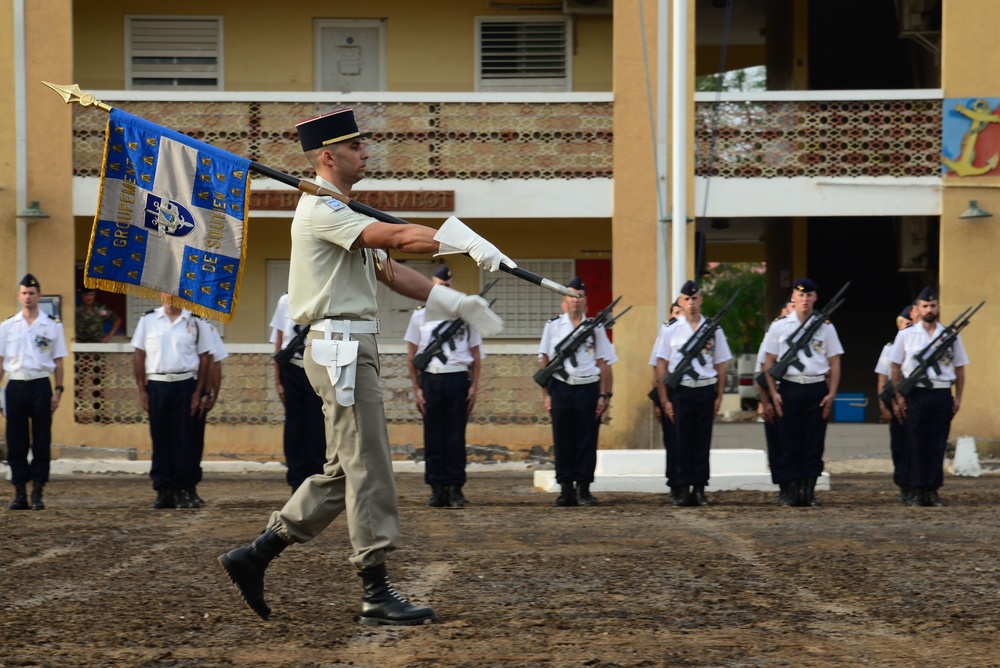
{"type": "Point", "coordinates": [606, 395]}
{"type": "Point", "coordinates": [60, 388]}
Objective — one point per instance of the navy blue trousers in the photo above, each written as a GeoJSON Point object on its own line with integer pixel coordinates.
{"type": "Point", "coordinates": [172, 429]}
{"type": "Point", "coordinates": [694, 414]}
{"type": "Point", "coordinates": [928, 422]}
{"type": "Point", "coordinates": [29, 427]}
{"type": "Point", "coordinates": [801, 432]}
{"type": "Point", "coordinates": [445, 399]}
{"type": "Point", "coordinates": [574, 430]}
{"type": "Point", "coordinates": [669, 434]}
{"type": "Point", "coordinates": [305, 426]}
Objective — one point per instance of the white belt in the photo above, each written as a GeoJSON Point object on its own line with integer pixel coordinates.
{"type": "Point", "coordinates": [446, 368]}
{"type": "Point", "coordinates": [297, 362]}
{"type": "Point", "coordinates": [580, 380]}
{"type": "Point", "coordinates": [701, 382]}
{"type": "Point", "coordinates": [939, 385]}
{"type": "Point", "coordinates": [171, 377]}
{"type": "Point", "coordinates": [348, 327]}
{"type": "Point", "coordinates": [28, 375]}
{"type": "Point", "coordinates": [805, 380]}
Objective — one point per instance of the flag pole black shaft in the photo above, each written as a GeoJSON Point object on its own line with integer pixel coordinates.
{"type": "Point", "coordinates": [316, 189]}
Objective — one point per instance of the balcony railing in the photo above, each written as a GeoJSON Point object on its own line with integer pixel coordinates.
{"type": "Point", "coordinates": [814, 134]}
{"type": "Point", "coordinates": [819, 134]}
{"type": "Point", "coordinates": [468, 138]}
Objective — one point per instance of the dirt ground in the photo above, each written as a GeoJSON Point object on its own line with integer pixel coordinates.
{"type": "Point", "coordinates": [99, 579]}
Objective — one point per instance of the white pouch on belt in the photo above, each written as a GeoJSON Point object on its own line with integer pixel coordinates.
{"type": "Point", "coordinates": [340, 357]}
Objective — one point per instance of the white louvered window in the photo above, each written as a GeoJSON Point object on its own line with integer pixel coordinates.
{"type": "Point", "coordinates": [525, 306]}
{"type": "Point", "coordinates": [173, 53]}
{"type": "Point", "coordinates": [523, 54]}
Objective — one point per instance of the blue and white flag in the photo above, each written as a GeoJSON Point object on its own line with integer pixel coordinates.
{"type": "Point", "coordinates": [171, 217]}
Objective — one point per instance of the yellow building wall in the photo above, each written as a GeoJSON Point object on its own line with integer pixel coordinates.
{"type": "Point", "coordinates": [969, 248]}
{"type": "Point", "coordinates": [285, 61]}
{"type": "Point", "coordinates": [8, 167]}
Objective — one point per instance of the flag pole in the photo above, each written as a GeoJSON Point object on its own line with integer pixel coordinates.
{"type": "Point", "coordinates": [72, 93]}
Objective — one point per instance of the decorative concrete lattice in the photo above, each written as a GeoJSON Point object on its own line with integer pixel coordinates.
{"type": "Point", "coordinates": [106, 392]}
{"type": "Point", "coordinates": [814, 138]}
{"type": "Point", "coordinates": [412, 140]}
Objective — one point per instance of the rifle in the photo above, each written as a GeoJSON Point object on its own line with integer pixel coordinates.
{"type": "Point", "coordinates": [295, 346]}
{"type": "Point", "coordinates": [443, 334]}
{"type": "Point", "coordinates": [695, 345]}
{"type": "Point", "coordinates": [566, 349]}
{"type": "Point", "coordinates": [928, 357]}
{"type": "Point", "coordinates": [801, 337]}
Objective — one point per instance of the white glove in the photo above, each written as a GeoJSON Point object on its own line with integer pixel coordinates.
{"type": "Point", "coordinates": [456, 237]}
{"type": "Point", "coordinates": [446, 304]}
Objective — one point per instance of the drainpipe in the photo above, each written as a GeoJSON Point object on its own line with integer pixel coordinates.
{"type": "Point", "coordinates": [664, 295]}
{"type": "Point", "coordinates": [678, 171]}
{"type": "Point", "coordinates": [21, 138]}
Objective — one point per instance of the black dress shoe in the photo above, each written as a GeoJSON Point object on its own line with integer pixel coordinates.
{"type": "Point", "coordinates": [932, 499]}
{"type": "Point", "coordinates": [182, 498]}
{"type": "Point", "coordinates": [164, 499]}
{"type": "Point", "coordinates": [437, 499]}
{"type": "Point", "coordinates": [680, 495]}
{"type": "Point", "coordinates": [455, 497]}
{"type": "Point", "coordinates": [584, 495]}
{"type": "Point", "coordinates": [699, 496]}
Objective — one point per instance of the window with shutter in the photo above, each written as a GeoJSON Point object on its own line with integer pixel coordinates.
{"type": "Point", "coordinates": [523, 54]}
{"type": "Point", "coordinates": [173, 53]}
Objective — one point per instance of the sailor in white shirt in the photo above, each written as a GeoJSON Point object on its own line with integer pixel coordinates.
{"type": "Point", "coordinates": [32, 348]}
{"type": "Point", "coordinates": [883, 372]}
{"type": "Point", "coordinates": [577, 401]}
{"type": "Point", "coordinates": [171, 367]}
{"type": "Point", "coordinates": [209, 397]}
{"type": "Point", "coordinates": [445, 392]}
{"type": "Point", "coordinates": [803, 399]}
{"type": "Point", "coordinates": [694, 403]}
{"type": "Point", "coordinates": [928, 408]}
{"type": "Point", "coordinates": [668, 430]}
{"type": "Point", "coordinates": [304, 435]}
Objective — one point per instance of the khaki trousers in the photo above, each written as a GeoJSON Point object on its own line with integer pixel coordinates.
{"type": "Point", "coordinates": [357, 476]}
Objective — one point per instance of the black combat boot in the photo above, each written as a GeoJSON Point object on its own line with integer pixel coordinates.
{"type": "Point", "coordinates": [437, 499]}
{"type": "Point", "coordinates": [788, 496]}
{"type": "Point", "coordinates": [568, 495]}
{"type": "Point", "coordinates": [20, 501]}
{"type": "Point", "coordinates": [36, 496]}
{"type": "Point", "coordinates": [931, 498]}
{"type": "Point", "coordinates": [246, 565]}
{"type": "Point", "coordinates": [381, 604]}
{"type": "Point", "coordinates": [164, 499]}
{"type": "Point", "coordinates": [583, 492]}
{"type": "Point", "coordinates": [676, 492]}
{"type": "Point", "coordinates": [455, 497]}
{"type": "Point", "coordinates": [196, 500]}
{"type": "Point", "coordinates": [182, 498]}
{"type": "Point", "coordinates": [809, 492]}
{"type": "Point", "coordinates": [916, 497]}
{"type": "Point", "coordinates": [699, 496]}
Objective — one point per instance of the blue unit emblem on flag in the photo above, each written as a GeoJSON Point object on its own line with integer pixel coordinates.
{"type": "Point", "coordinates": [167, 217]}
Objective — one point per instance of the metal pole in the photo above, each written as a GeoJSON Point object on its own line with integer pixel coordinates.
{"type": "Point", "coordinates": [664, 296]}
{"type": "Point", "coordinates": [20, 140]}
{"type": "Point", "coordinates": [679, 164]}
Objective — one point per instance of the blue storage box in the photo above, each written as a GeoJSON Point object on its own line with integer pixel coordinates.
{"type": "Point", "coordinates": [849, 407]}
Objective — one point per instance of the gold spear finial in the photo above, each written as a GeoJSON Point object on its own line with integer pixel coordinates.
{"type": "Point", "coordinates": [71, 94]}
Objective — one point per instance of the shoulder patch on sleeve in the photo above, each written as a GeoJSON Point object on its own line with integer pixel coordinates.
{"type": "Point", "coordinates": [335, 204]}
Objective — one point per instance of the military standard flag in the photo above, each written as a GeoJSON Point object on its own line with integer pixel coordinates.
{"type": "Point", "coordinates": [171, 217]}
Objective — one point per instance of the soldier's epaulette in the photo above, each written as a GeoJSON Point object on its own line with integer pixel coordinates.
{"type": "Point", "coordinates": [553, 319]}
{"type": "Point", "coordinates": [669, 322]}
{"type": "Point", "coordinates": [780, 317]}
{"type": "Point", "coordinates": [421, 307]}
{"type": "Point", "coordinates": [149, 311]}
{"type": "Point", "coordinates": [908, 326]}
{"type": "Point", "coordinates": [56, 318]}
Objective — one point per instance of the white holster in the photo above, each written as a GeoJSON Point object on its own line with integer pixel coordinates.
{"type": "Point", "coordinates": [340, 357]}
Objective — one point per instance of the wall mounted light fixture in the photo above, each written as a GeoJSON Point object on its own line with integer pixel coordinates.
{"type": "Point", "coordinates": [974, 211]}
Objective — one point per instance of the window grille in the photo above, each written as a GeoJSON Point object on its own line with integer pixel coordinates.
{"type": "Point", "coordinates": [173, 53]}
{"type": "Point", "coordinates": [523, 54]}
{"type": "Point", "coordinates": [524, 306]}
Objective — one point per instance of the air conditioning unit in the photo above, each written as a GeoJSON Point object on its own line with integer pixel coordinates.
{"type": "Point", "coordinates": [587, 6]}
